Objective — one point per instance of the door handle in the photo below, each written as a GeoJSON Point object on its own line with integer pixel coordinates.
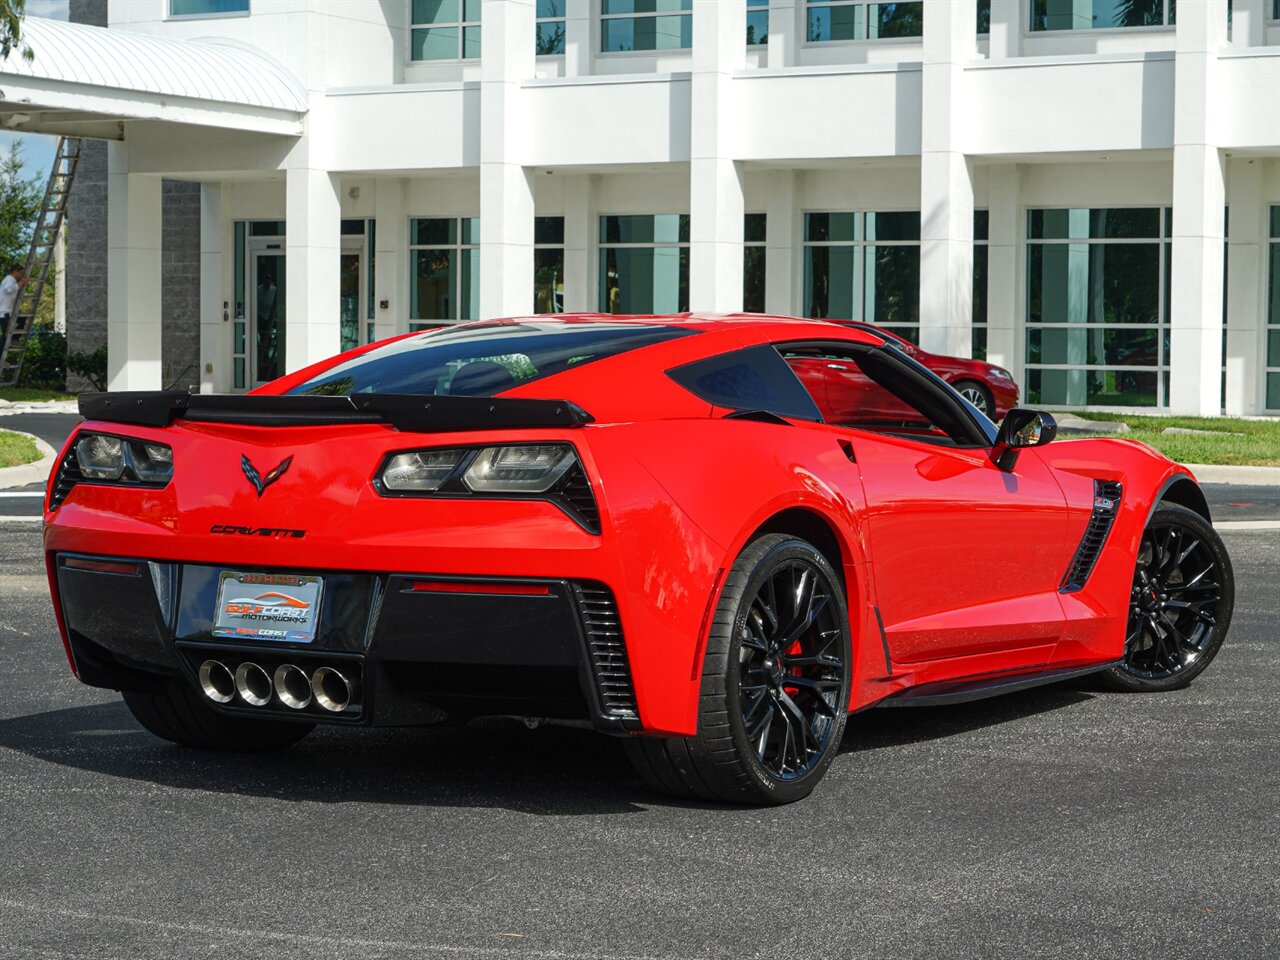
{"type": "Point", "coordinates": [836, 366]}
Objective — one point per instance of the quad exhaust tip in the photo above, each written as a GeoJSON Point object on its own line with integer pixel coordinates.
{"type": "Point", "coordinates": [217, 682]}
{"type": "Point", "coordinates": [333, 691]}
{"type": "Point", "coordinates": [253, 684]}
{"type": "Point", "coordinates": [293, 686]}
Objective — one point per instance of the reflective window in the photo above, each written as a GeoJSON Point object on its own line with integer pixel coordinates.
{"type": "Point", "coordinates": [829, 20]}
{"type": "Point", "coordinates": [1098, 307]}
{"type": "Point", "coordinates": [207, 8]}
{"type": "Point", "coordinates": [445, 30]}
{"type": "Point", "coordinates": [644, 264]}
{"type": "Point", "coordinates": [984, 16]}
{"type": "Point", "coordinates": [1273, 305]}
{"type": "Point", "coordinates": [981, 229]}
{"type": "Point", "coordinates": [757, 22]}
{"type": "Point", "coordinates": [1100, 14]}
{"type": "Point", "coordinates": [645, 25]}
{"type": "Point", "coordinates": [864, 266]}
{"type": "Point", "coordinates": [548, 265]}
{"type": "Point", "coordinates": [444, 267]}
{"type": "Point", "coordinates": [753, 263]}
{"type": "Point", "coordinates": [549, 38]}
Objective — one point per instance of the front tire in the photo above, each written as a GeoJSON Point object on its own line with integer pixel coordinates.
{"type": "Point", "coordinates": [180, 714]}
{"type": "Point", "coordinates": [977, 394]}
{"type": "Point", "coordinates": [1180, 605]}
{"type": "Point", "coordinates": [775, 684]}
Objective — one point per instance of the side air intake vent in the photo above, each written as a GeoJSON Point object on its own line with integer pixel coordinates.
{"type": "Point", "coordinates": [1106, 503]}
{"type": "Point", "coordinates": [608, 651]}
{"type": "Point", "coordinates": [68, 476]}
{"type": "Point", "coordinates": [576, 495]}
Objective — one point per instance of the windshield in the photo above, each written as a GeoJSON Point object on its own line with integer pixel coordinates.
{"type": "Point", "coordinates": [483, 359]}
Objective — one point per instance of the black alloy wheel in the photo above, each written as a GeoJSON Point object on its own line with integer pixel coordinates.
{"type": "Point", "coordinates": [978, 395]}
{"type": "Point", "coordinates": [775, 684]}
{"type": "Point", "coordinates": [1180, 604]}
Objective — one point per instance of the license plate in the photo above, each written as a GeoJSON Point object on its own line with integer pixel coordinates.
{"type": "Point", "coordinates": [267, 606]}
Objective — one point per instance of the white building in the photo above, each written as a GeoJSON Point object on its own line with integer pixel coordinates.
{"type": "Point", "coordinates": [1037, 179]}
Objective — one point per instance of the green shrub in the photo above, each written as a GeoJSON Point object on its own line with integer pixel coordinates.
{"type": "Point", "coordinates": [91, 366]}
{"type": "Point", "coordinates": [45, 363]}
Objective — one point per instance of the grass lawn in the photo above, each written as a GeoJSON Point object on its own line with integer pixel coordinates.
{"type": "Point", "coordinates": [1258, 445]}
{"type": "Point", "coordinates": [32, 395]}
{"type": "Point", "coordinates": [16, 449]}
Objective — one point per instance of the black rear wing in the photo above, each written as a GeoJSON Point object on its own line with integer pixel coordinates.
{"type": "Point", "coordinates": [417, 414]}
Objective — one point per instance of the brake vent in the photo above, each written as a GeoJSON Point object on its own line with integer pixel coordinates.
{"type": "Point", "coordinates": [68, 476]}
{"type": "Point", "coordinates": [609, 665]}
{"type": "Point", "coordinates": [575, 492]}
{"type": "Point", "coordinates": [1106, 503]}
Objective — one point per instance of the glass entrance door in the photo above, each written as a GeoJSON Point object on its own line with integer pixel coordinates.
{"type": "Point", "coordinates": [349, 298]}
{"type": "Point", "coordinates": [268, 321]}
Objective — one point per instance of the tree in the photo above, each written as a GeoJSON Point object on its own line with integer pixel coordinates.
{"type": "Point", "coordinates": [20, 199]}
{"type": "Point", "coordinates": [11, 14]}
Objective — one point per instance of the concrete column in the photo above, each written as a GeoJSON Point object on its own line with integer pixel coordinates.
{"type": "Point", "coordinates": [580, 233]}
{"type": "Point", "coordinates": [946, 181]}
{"type": "Point", "coordinates": [133, 275]}
{"type": "Point", "coordinates": [716, 202]}
{"type": "Point", "coordinates": [215, 318]}
{"type": "Point", "coordinates": [1007, 24]}
{"type": "Point", "coordinates": [1249, 23]}
{"type": "Point", "coordinates": [782, 244]}
{"type": "Point", "coordinates": [1246, 276]}
{"type": "Point", "coordinates": [577, 38]}
{"type": "Point", "coordinates": [1005, 321]}
{"type": "Point", "coordinates": [313, 226]}
{"type": "Point", "coordinates": [506, 187]}
{"type": "Point", "coordinates": [391, 256]}
{"type": "Point", "coordinates": [1199, 194]}
{"type": "Point", "coordinates": [785, 35]}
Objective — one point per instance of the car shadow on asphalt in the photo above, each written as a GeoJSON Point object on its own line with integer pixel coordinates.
{"type": "Point", "coordinates": [500, 763]}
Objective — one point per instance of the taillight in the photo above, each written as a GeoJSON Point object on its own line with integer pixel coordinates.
{"type": "Point", "coordinates": [103, 459]}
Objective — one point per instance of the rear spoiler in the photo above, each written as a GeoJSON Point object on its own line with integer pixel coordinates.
{"type": "Point", "coordinates": [417, 414]}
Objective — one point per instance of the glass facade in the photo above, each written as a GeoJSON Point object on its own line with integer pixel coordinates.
{"type": "Point", "coordinates": [444, 258]}
{"type": "Point", "coordinates": [644, 264]}
{"type": "Point", "coordinates": [550, 28]}
{"type": "Point", "coordinates": [984, 16]}
{"type": "Point", "coordinates": [645, 25]}
{"type": "Point", "coordinates": [864, 266]}
{"type": "Point", "coordinates": [757, 22]}
{"type": "Point", "coordinates": [1098, 307]}
{"type": "Point", "coordinates": [981, 230]}
{"type": "Point", "coordinates": [548, 265]}
{"type": "Point", "coordinates": [753, 263]}
{"type": "Point", "coordinates": [828, 20]}
{"type": "Point", "coordinates": [1101, 14]}
{"type": "Point", "coordinates": [1273, 305]}
{"type": "Point", "coordinates": [445, 30]}
{"type": "Point", "coordinates": [207, 8]}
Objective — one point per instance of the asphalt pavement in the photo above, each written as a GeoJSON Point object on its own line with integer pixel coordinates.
{"type": "Point", "coordinates": [1059, 822]}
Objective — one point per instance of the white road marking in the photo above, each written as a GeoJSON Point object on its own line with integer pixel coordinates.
{"type": "Point", "coordinates": [1247, 525]}
{"type": "Point", "coordinates": [22, 493]}
{"type": "Point", "coordinates": [20, 519]}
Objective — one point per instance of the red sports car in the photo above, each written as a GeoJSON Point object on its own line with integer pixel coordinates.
{"type": "Point", "coordinates": [991, 389]}
{"type": "Point", "coordinates": [660, 525]}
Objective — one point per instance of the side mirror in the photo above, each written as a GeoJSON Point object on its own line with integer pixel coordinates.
{"type": "Point", "coordinates": [1021, 428]}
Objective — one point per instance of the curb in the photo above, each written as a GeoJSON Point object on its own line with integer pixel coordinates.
{"type": "Point", "coordinates": [27, 473]}
{"type": "Point", "coordinates": [1217, 473]}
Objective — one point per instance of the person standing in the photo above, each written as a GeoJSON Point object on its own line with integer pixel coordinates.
{"type": "Point", "coordinates": [13, 282]}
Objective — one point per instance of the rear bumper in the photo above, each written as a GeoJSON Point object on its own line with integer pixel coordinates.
{"type": "Point", "coordinates": [417, 647]}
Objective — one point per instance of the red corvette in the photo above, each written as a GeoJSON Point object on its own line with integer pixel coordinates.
{"type": "Point", "coordinates": [991, 389]}
{"type": "Point", "coordinates": [660, 525]}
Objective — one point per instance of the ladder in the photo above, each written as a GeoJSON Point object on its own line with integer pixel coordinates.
{"type": "Point", "coordinates": [39, 257]}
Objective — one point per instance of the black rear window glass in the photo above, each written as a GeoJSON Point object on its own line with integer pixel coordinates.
{"type": "Point", "coordinates": [484, 359]}
{"type": "Point", "coordinates": [756, 378]}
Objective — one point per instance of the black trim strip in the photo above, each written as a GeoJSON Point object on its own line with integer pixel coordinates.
{"type": "Point", "coordinates": [963, 691]}
{"type": "Point", "coordinates": [884, 642]}
{"type": "Point", "coordinates": [419, 414]}
{"type": "Point", "coordinates": [1106, 504]}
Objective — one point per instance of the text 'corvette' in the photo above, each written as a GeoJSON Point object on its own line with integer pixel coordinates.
{"type": "Point", "coordinates": [679, 529]}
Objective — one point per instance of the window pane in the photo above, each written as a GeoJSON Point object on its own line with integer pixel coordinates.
{"type": "Point", "coordinates": [757, 378]}
{"type": "Point", "coordinates": [548, 281]}
{"type": "Point", "coordinates": [887, 20]}
{"type": "Point", "coordinates": [1095, 14]}
{"type": "Point", "coordinates": [470, 288]}
{"type": "Point", "coordinates": [436, 11]}
{"type": "Point", "coordinates": [981, 224]}
{"type": "Point", "coordinates": [1273, 380]}
{"type": "Point", "coordinates": [979, 343]}
{"type": "Point", "coordinates": [819, 227]}
{"type": "Point", "coordinates": [1273, 291]}
{"type": "Point", "coordinates": [829, 283]}
{"type": "Point", "coordinates": [1093, 283]}
{"type": "Point", "coordinates": [548, 229]}
{"type": "Point", "coordinates": [1094, 346]}
{"type": "Point", "coordinates": [753, 275]}
{"type": "Point", "coordinates": [550, 8]}
{"type": "Point", "coordinates": [266, 228]}
{"type": "Point", "coordinates": [352, 228]}
{"type": "Point", "coordinates": [980, 252]}
{"type": "Point", "coordinates": [639, 280]}
{"type": "Point", "coordinates": [550, 39]}
{"type": "Point", "coordinates": [647, 33]}
{"type": "Point", "coordinates": [892, 287]}
{"type": "Point", "coordinates": [433, 231]}
{"type": "Point", "coordinates": [893, 226]}
{"type": "Point", "coordinates": [237, 376]}
{"type": "Point", "coordinates": [753, 230]}
{"type": "Point", "coordinates": [1080, 224]}
{"type": "Point", "coordinates": [646, 6]}
{"type": "Point", "coordinates": [835, 23]}
{"type": "Point", "coordinates": [1275, 211]}
{"type": "Point", "coordinates": [471, 43]}
{"type": "Point", "coordinates": [470, 229]}
{"type": "Point", "coordinates": [757, 27]}
{"type": "Point", "coordinates": [645, 228]}
{"type": "Point", "coordinates": [238, 269]}
{"type": "Point", "coordinates": [471, 11]}
{"type": "Point", "coordinates": [984, 16]}
{"type": "Point", "coordinates": [437, 43]}
{"type": "Point", "coordinates": [206, 8]}
{"type": "Point", "coordinates": [1079, 388]}
{"type": "Point", "coordinates": [433, 285]}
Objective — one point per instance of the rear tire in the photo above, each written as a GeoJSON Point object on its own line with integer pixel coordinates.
{"type": "Point", "coordinates": [775, 685]}
{"type": "Point", "coordinates": [181, 715]}
{"type": "Point", "coordinates": [1180, 606]}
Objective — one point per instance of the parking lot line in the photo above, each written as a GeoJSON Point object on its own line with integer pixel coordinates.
{"type": "Point", "coordinates": [20, 519]}
{"type": "Point", "coordinates": [22, 493]}
{"type": "Point", "coordinates": [1247, 525]}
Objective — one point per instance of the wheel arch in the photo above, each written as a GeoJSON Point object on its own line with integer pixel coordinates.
{"type": "Point", "coordinates": [1184, 491]}
{"type": "Point", "coordinates": [811, 526]}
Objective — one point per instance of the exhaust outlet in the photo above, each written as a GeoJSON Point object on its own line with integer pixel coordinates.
{"type": "Point", "coordinates": [217, 682]}
{"type": "Point", "coordinates": [253, 684]}
{"type": "Point", "coordinates": [293, 687]}
{"type": "Point", "coordinates": [332, 690]}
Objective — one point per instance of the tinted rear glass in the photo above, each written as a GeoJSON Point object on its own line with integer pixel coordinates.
{"type": "Point", "coordinates": [755, 378]}
{"type": "Point", "coordinates": [481, 360]}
